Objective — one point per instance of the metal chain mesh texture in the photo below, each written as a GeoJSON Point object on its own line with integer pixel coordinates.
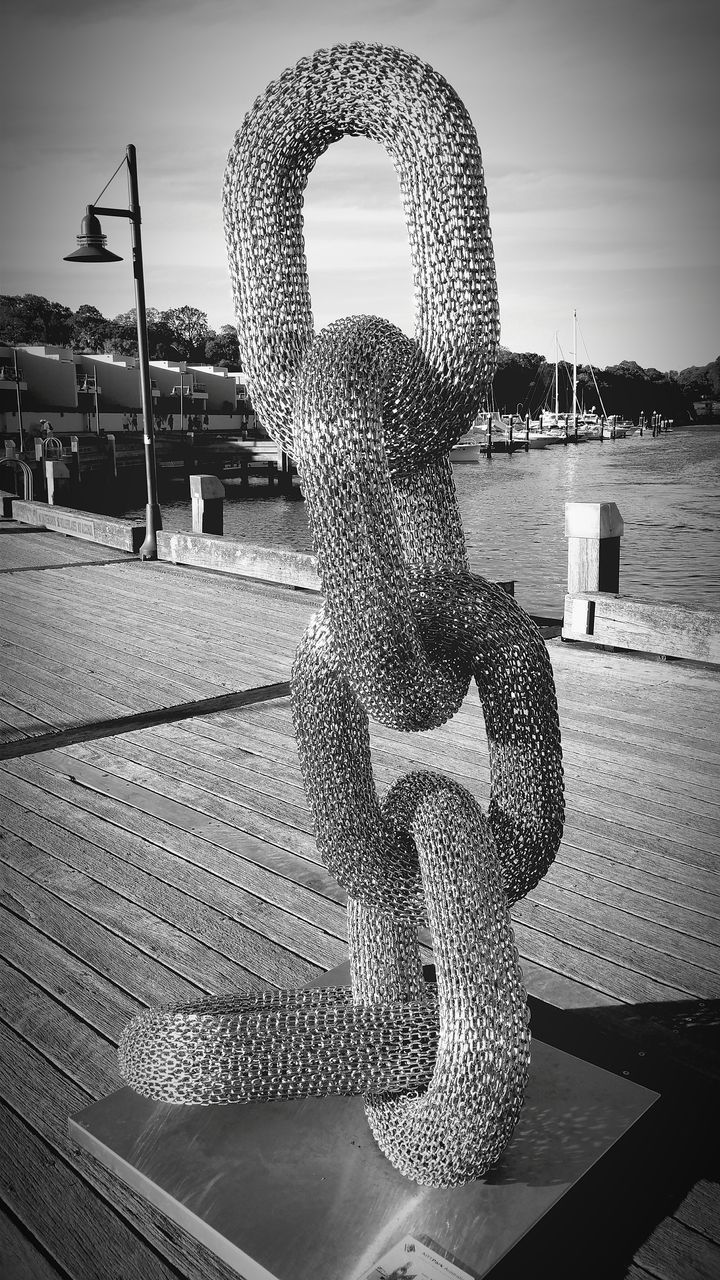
{"type": "Point", "coordinates": [369, 416]}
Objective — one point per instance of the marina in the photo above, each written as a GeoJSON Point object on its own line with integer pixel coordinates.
{"type": "Point", "coordinates": [667, 488]}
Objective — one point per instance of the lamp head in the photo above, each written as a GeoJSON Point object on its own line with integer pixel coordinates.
{"type": "Point", "coordinates": [91, 243]}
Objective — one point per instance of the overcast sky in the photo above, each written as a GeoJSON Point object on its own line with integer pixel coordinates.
{"type": "Point", "coordinates": [597, 120]}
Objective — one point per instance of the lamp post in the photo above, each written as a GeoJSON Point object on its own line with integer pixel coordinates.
{"type": "Point", "coordinates": [19, 399]}
{"type": "Point", "coordinates": [96, 389]}
{"type": "Point", "coordinates": [91, 248]}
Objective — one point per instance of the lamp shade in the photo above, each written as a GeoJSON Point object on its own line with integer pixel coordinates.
{"type": "Point", "coordinates": [91, 243]}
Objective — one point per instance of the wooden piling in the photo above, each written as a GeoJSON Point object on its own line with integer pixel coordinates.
{"type": "Point", "coordinates": [206, 494]}
{"type": "Point", "coordinates": [593, 530]}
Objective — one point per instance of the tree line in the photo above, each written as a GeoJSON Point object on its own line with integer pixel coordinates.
{"type": "Point", "coordinates": [181, 333]}
{"type": "Point", "coordinates": [523, 383]}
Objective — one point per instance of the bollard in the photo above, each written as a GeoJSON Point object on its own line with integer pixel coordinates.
{"type": "Point", "coordinates": [75, 459]}
{"type": "Point", "coordinates": [207, 493]}
{"type": "Point", "coordinates": [39, 449]}
{"type": "Point", "coordinates": [57, 479]}
{"type": "Point", "coordinates": [593, 530]}
{"type": "Point", "coordinates": [10, 449]}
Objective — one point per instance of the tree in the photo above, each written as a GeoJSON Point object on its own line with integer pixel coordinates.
{"type": "Point", "coordinates": [30, 318]}
{"type": "Point", "coordinates": [190, 327]}
{"type": "Point", "coordinates": [222, 348]}
{"type": "Point", "coordinates": [89, 329]}
{"type": "Point", "coordinates": [516, 379]}
{"type": "Point", "coordinates": [121, 338]}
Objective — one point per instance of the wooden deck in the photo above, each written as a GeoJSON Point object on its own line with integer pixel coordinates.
{"type": "Point", "coordinates": [155, 843]}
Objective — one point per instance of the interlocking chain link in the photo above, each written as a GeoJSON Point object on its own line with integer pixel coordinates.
{"type": "Point", "coordinates": [370, 416]}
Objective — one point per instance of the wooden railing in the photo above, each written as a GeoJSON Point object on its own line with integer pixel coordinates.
{"type": "Point", "coordinates": [596, 613]}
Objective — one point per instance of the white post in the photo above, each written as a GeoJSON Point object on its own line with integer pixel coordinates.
{"type": "Point", "coordinates": [57, 478]}
{"type": "Point", "coordinates": [207, 493]}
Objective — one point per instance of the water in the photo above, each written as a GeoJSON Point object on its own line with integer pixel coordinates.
{"type": "Point", "coordinates": [667, 490]}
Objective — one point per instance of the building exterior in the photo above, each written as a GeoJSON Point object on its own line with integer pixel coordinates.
{"type": "Point", "coordinates": [76, 392]}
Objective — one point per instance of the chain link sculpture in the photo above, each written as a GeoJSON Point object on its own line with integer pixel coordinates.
{"type": "Point", "coordinates": [370, 416]}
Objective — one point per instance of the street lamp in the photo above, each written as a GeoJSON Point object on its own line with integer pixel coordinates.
{"type": "Point", "coordinates": [19, 400]}
{"type": "Point", "coordinates": [91, 248]}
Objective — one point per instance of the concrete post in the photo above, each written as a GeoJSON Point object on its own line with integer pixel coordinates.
{"type": "Point", "coordinates": [57, 478]}
{"type": "Point", "coordinates": [593, 531]}
{"type": "Point", "coordinates": [207, 493]}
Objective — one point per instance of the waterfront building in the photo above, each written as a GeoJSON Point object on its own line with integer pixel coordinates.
{"type": "Point", "coordinates": [72, 390]}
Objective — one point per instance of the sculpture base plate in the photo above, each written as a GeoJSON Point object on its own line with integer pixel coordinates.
{"type": "Point", "coordinates": [299, 1191]}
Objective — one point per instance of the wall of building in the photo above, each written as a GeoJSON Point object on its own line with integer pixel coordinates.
{"type": "Point", "coordinates": [50, 375]}
{"type": "Point", "coordinates": [118, 378]}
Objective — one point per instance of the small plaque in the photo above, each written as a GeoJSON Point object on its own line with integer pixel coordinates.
{"type": "Point", "coordinates": [416, 1261]}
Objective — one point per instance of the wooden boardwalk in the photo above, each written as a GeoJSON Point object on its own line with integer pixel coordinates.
{"type": "Point", "coordinates": [155, 843]}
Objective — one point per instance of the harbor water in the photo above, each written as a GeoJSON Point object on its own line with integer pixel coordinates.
{"type": "Point", "coordinates": [667, 490]}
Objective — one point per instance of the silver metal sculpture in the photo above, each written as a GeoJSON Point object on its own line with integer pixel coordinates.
{"type": "Point", "coordinates": [370, 416]}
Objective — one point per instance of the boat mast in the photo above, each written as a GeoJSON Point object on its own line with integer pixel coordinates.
{"type": "Point", "coordinates": [574, 408]}
{"type": "Point", "coordinates": [557, 385]}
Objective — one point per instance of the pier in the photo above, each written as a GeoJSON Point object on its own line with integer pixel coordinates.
{"type": "Point", "coordinates": [156, 845]}
{"type": "Point", "coordinates": [79, 468]}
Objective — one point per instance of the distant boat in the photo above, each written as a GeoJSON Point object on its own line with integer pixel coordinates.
{"type": "Point", "coordinates": [468, 451]}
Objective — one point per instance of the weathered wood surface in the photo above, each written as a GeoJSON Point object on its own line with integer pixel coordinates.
{"type": "Point", "coordinates": [178, 859]}
{"type": "Point", "coordinates": [673, 631]}
{"type": "Point", "coordinates": [23, 546]}
{"type": "Point", "coordinates": [89, 642]}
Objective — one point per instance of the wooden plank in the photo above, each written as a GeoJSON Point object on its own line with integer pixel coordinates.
{"type": "Point", "coordinates": [59, 1034]}
{"type": "Point", "coordinates": [644, 968]}
{"type": "Point", "coordinates": [219, 653]}
{"type": "Point", "coordinates": [604, 891]}
{"type": "Point", "coordinates": [181, 803]}
{"type": "Point", "coordinates": [662, 931]}
{"type": "Point", "coordinates": [19, 1257]}
{"type": "Point", "coordinates": [126, 685]}
{"type": "Point", "coordinates": [147, 919]}
{"type": "Point", "coordinates": [89, 994]}
{"type": "Point", "coordinates": [245, 928]}
{"type": "Point", "coordinates": [122, 919]}
{"type": "Point", "coordinates": [44, 1098]}
{"type": "Point", "coordinates": [46, 1196]}
{"type": "Point", "coordinates": [134, 835]}
{"type": "Point", "coordinates": [139, 811]}
{"type": "Point", "coordinates": [288, 806]}
{"type": "Point", "coordinates": [675, 1252]}
{"type": "Point", "coordinates": [131, 969]}
{"type": "Point", "coordinates": [87, 525]}
{"type": "Point", "coordinates": [196, 663]}
{"type": "Point", "coordinates": [674, 630]}
{"type": "Point", "coordinates": [700, 1210]}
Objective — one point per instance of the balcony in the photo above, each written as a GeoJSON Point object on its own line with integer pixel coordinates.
{"type": "Point", "coordinates": [10, 379]}
{"type": "Point", "coordinates": [193, 389]}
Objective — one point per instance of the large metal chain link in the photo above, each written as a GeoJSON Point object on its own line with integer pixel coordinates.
{"type": "Point", "coordinates": [370, 416]}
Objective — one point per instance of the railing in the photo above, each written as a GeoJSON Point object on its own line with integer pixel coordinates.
{"type": "Point", "coordinates": [596, 613]}
{"type": "Point", "coordinates": [18, 465]}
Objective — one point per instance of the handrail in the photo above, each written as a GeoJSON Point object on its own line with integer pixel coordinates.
{"type": "Point", "coordinates": [26, 473]}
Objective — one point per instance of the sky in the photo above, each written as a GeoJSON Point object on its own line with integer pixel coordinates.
{"type": "Point", "coordinates": [597, 120]}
